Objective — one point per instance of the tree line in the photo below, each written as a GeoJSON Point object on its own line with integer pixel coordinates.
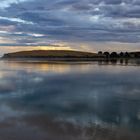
{"type": "Point", "coordinates": [118, 55]}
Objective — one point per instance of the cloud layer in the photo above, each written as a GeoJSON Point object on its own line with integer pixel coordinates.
{"type": "Point", "coordinates": [31, 22]}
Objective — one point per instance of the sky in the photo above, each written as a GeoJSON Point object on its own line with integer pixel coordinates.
{"type": "Point", "coordinates": [89, 25]}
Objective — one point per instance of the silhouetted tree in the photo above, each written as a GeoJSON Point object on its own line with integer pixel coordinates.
{"type": "Point", "coordinates": [107, 54]}
{"type": "Point", "coordinates": [126, 54]}
{"type": "Point", "coordinates": [121, 54]}
{"type": "Point", "coordinates": [100, 52]}
{"type": "Point", "coordinates": [113, 55]}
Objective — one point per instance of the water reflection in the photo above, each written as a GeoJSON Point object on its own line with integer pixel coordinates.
{"type": "Point", "coordinates": [119, 62]}
{"type": "Point", "coordinates": [69, 101]}
{"type": "Point", "coordinates": [55, 67]}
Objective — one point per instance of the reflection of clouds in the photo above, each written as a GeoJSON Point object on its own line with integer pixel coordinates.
{"type": "Point", "coordinates": [65, 130]}
{"type": "Point", "coordinates": [100, 95]}
{"type": "Point", "coordinates": [6, 86]}
{"type": "Point", "coordinates": [6, 112]}
{"type": "Point", "coordinates": [17, 130]}
{"type": "Point", "coordinates": [41, 127]}
{"type": "Point", "coordinates": [37, 79]}
{"type": "Point", "coordinates": [138, 115]}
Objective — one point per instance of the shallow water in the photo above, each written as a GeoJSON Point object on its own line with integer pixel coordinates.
{"type": "Point", "coordinates": [69, 101]}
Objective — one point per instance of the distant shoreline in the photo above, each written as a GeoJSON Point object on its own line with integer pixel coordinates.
{"type": "Point", "coordinates": [70, 55]}
{"type": "Point", "coordinates": [70, 59]}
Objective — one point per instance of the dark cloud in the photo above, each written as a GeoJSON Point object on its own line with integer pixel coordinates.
{"type": "Point", "coordinates": [70, 20]}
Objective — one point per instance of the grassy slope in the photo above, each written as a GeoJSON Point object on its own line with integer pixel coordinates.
{"type": "Point", "coordinates": [50, 53]}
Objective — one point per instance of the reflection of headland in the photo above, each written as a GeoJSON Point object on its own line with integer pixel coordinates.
{"type": "Point", "coordinates": [65, 67]}
{"type": "Point", "coordinates": [47, 66]}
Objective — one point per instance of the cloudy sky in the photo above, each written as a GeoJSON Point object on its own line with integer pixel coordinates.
{"type": "Point", "coordinates": [90, 25]}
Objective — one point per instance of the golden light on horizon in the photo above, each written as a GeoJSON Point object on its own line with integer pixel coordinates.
{"type": "Point", "coordinates": [53, 48]}
{"type": "Point", "coordinates": [10, 49]}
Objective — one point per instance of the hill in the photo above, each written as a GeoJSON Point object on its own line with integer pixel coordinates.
{"type": "Point", "coordinates": [51, 54]}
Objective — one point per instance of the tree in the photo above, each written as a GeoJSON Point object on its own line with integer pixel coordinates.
{"type": "Point", "coordinates": [121, 54]}
{"type": "Point", "coordinates": [113, 55]}
{"type": "Point", "coordinates": [107, 54]}
{"type": "Point", "coordinates": [127, 54]}
{"type": "Point", "coordinates": [100, 53]}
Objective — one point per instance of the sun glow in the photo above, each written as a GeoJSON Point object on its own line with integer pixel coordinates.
{"type": "Point", "coordinates": [53, 48]}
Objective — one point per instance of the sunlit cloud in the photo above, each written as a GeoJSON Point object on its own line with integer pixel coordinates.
{"type": "Point", "coordinates": [7, 3]}
{"type": "Point", "coordinates": [16, 20]}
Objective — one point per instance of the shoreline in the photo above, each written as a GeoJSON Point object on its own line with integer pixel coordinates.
{"type": "Point", "coordinates": [66, 59]}
{"type": "Point", "coordinates": [99, 61]}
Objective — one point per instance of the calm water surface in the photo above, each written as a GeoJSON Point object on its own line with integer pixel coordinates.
{"type": "Point", "coordinates": [69, 101]}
